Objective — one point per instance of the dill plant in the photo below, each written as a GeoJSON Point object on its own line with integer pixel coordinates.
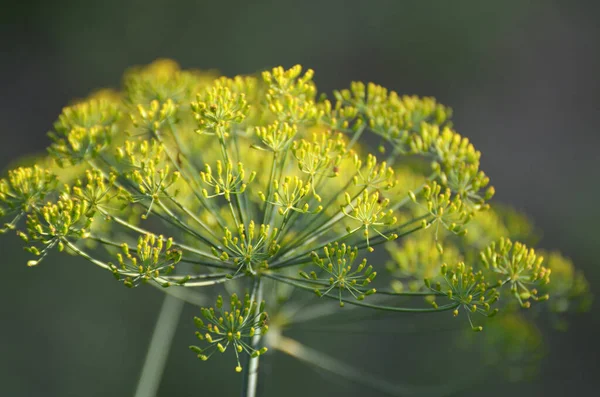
{"type": "Point", "coordinates": [256, 198]}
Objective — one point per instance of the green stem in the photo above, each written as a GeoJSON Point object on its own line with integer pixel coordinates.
{"type": "Point", "coordinates": [301, 257]}
{"type": "Point", "coordinates": [357, 135]}
{"type": "Point", "coordinates": [184, 227]}
{"type": "Point", "coordinates": [444, 308]}
{"type": "Point", "coordinates": [185, 294]}
{"type": "Point", "coordinates": [380, 240]}
{"type": "Point", "coordinates": [186, 177]}
{"type": "Point", "coordinates": [194, 217]}
{"type": "Point", "coordinates": [341, 368]}
{"type": "Point", "coordinates": [307, 227]}
{"type": "Point", "coordinates": [160, 344]}
{"type": "Point", "coordinates": [83, 254]}
{"type": "Point", "coordinates": [105, 241]}
{"type": "Point", "coordinates": [250, 382]}
{"type": "Point", "coordinates": [142, 231]}
{"type": "Point", "coordinates": [298, 258]}
{"type": "Point", "coordinates": [267, 214]}
{"type": "Point", "coordinates": [323, 228]}
{"type": "Point", "coordinates": [379, 292]}
{"type": "Point", "coordinates": [237, 223]}
{"type": "Point", "coordinates": [200, 280]}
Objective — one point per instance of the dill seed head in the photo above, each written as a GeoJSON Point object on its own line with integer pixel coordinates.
{"type": "Point", "coordinates": [264, 187]}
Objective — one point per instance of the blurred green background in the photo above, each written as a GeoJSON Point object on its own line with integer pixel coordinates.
{"type": "Point", "coordinates": [522, 77]}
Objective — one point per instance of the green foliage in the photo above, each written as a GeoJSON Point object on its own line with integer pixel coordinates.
{"type": "Point", "coordinates": [259, 179]}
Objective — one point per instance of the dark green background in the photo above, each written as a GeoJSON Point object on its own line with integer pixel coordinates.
{"type": "Point", "coordinates": [522, 77]}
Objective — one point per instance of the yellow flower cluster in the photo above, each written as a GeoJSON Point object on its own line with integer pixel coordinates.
{"type": "Point", "coordinates": [255, 176]}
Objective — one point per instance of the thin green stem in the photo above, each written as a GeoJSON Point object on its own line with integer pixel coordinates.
{"type": "Point", "coordinates": [221, 280]}
{"type": "Point", "coordinates": [379, 292]}
{"type": "Point", "coordinates": [323, 228]}
{"type": "Point", "coordinates": [185, 176]}
{"type": "Point", "coordinates": [140, 230]}
{"type": "Point", "coordinates": [176, 221]}
{"type": "Point", "coordinates": [185, 294]}
{"type": "Point", "coordinates": [307, 227]}
{"type": "Point", "coordinates": [343, 369]}
{"type": "Point", "coordinates": [301, 257]}
{"type": "Point", "coordinates": [200, 280]}
{"type": "Point", "coordinates": [380, 240]}
{"type": "Point", "coordinates": [160, 344]}
{"type": "Point", "coordinates": [267, 215]}
{"type": "Point", "coordinates": [83, 254]}
{"type": "Point", "coordinates": [194, 217]}
{"type": "Point", "coordinates": [111, 243]}
{"type": "Point", "coordinates": [357, 135]}
{"type": "Point", "coordinates": [444, 308]}
{"type": "Point", "coordinates": [250, 381]}
{"type": "Point", "coordinates": [235, 219]}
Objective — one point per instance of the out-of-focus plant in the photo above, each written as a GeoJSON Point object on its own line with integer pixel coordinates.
{"type": "Point", "coordinates": [259, 187]}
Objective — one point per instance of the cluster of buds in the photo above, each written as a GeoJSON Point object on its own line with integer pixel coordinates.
{"type": "Point", "coordinates": [519, 266]}
{"type": "Point", "coordinates": [339, 117]}
{"type": "Point", "coordinates": [252, 90]}
{"type": "Point", "coordinates": [250, 249]}
{"type": "Point", "coordinates": [339, 274]}
{"type": "Point", "coordinates": [23, 189]}
{"type": "Point", "coordinates": [153, 258]}
{"type": "Point", "coordinates": [468, 289]}
{"type": "Point", "coordinates": [290, 195]}
{"type": "Point", "coordinates": [371, 213]}
{"type": "Point", "coordinates": [148, 171]}
{"type": "Point", "coordinates": [84, 130]}
{"type": "Point", "coordinates": [445, 211]}
{"type": "Point", "coordinates": [290, 82]}
{"type": "Point", "coordinates": [446, 146]}
{"type": "Point", "coordinates": [217, 109]}
{"type": "Point", "coordinates": [387, 114]}
{"type": "Point", "coordinates": [373, 175]}
{"type": "Point", "coordinates": [55, 224]}
{"type": "Point", "coordinates": [276, 137]}
{"type": "Point", "coordinates": [290, 94]}
{"type": "Point", "coordinates": [226, 182]}
{"type": "Point", "coordinates": [87, 115]}
{"type": "Point", "coordinates": [151, 118]}
{"type": "Point", "coordinates": [321, 155]}
{"type": "Point", "coordinates": [97, 191]}
{"type": "Point", "coordinates": [222, 328]}
{"type": "Point", "coordinates": [471, 184]}
{"type": "Point", "coordinates": [162, 81]}
{"type": "Point", "coordinates": [328, 199]}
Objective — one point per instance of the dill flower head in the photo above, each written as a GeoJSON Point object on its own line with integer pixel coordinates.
{"type": "Point", "coordinates": [259, 186]}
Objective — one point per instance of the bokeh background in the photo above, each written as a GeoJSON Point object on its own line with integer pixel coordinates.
{"type": "Point", "coordinates": [522, 77]}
